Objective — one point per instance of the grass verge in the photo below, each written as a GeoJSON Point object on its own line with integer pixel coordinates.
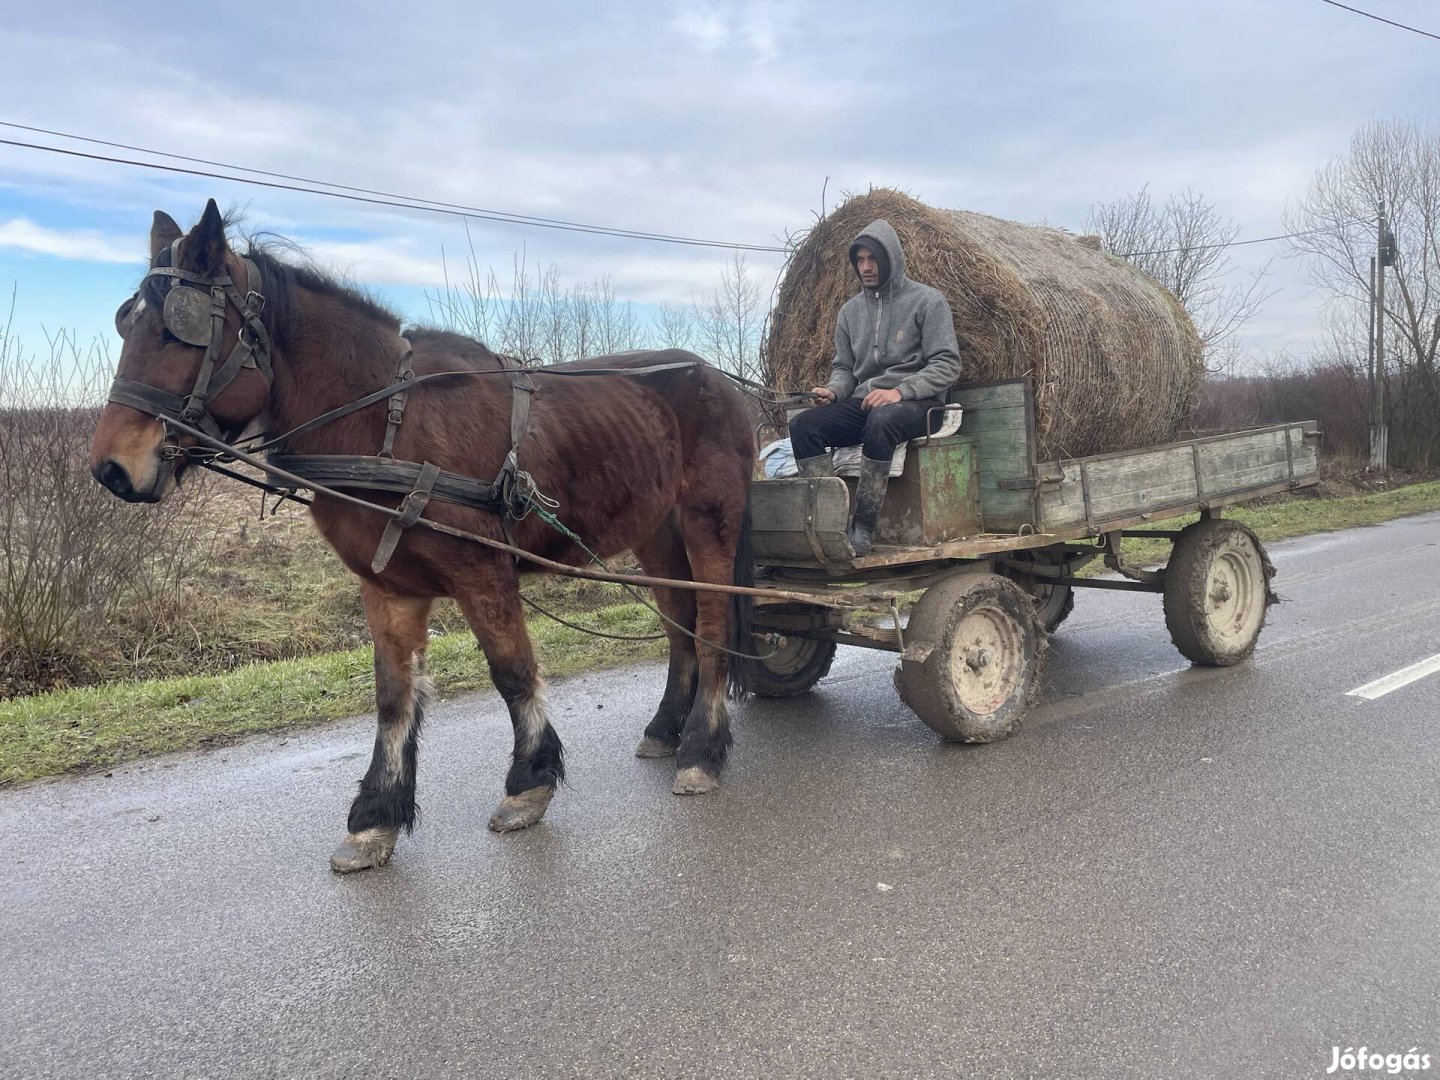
{"type": "Point", "coordinates": [99, 726]}
{"type": "Point", "coordinates": [1290, 517]}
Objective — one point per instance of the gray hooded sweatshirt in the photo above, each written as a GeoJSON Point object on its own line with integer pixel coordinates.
{"type": "Point", "coordinates": [899, 336]}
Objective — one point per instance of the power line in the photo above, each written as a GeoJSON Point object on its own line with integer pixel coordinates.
{"type": "Point", "coordinates": [364, 195]}
{"type": "Point", "coordinates": [375, 197]}
{"type": "Point", "coordinates": [1377, 18]}
{"type": "Point", "coordinates": [1232, 243]}
{"type": "Point", "coordinates": [504, 215]}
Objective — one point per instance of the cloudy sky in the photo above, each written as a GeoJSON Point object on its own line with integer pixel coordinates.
{"type": "Point", "coordinates": [716, 120]}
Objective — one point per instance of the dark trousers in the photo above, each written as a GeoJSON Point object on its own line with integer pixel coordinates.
{"type": "Point", "coordinates": [845, 423]}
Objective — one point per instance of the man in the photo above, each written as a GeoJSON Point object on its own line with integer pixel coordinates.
{"type": "Point", "coordinates": [895, 356]}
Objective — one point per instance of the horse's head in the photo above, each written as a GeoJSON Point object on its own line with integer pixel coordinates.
{"type": "Point", "coordinates": [195, 352]}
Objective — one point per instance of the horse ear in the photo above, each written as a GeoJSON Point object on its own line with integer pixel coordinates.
{"type": "Point", "coordinates": [205, 247]}
{"type": "Point", "coordinates": [163, 233]}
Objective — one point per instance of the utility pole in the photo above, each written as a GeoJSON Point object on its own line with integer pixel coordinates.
{"type": "Point", "coordinates": [1379, 431]}
{"type": "Point", "coordinates": [1370, 345]}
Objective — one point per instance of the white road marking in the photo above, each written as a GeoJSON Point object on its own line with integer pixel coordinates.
{"type": "Point", "coordinates": [1404, 677]}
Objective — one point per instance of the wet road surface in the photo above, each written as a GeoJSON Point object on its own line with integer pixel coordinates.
{"type": "Point", "coordinates": [1166, 872]}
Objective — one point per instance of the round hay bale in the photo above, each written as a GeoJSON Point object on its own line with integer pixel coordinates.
{"type": "Point", "coordinates": [1115, 359]}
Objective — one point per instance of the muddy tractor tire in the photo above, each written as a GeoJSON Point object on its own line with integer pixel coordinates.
{"type": "Point", "coordinates": [1053, 603]}
{"type": "Point", "coordinates": [794, 667]}
{"type": "Point", "coordinates": [974, 652]}
{"type": "Point", "coordinates": [1217, 590]}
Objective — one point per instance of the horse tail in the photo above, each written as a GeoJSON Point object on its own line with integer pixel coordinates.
{"type": "Point", "coordinates": [742, 611]}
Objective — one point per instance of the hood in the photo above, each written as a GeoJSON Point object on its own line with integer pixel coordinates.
{"type": "Point", "coordinates": [880, 237]}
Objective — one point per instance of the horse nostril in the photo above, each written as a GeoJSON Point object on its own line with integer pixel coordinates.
{"type": "Point", "coordinates": [113, 475]}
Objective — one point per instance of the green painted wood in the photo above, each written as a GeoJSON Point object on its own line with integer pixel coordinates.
{"type": "Point", "coordinates": [999, 418]}
{"type": "Point", "coordinates": [993, 420]}
{"type": "Point", "coordinates": [1306, 452]}
{"type": "Point", "coordinates": [1129, 485]}
{"type": "Point", "coordinates": [1011, 393]}
{"type": "Point", "coordinates": [1137, 482]}
{"type": "Point", "coordinates": [938, 497]}
{"type": "Point", "coordinates": [1245, 461]}
{"type": "Point", "coordinates": [1062, 504]}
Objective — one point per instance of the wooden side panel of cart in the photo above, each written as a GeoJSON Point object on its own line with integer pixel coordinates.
{"type": "Point", "coordinates": [1024, 504]}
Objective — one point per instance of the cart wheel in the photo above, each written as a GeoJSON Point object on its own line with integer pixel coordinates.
{"type": "Point", "coordinates": [1217, 588]}
{"type": "Point", "coordinates": [973, 654]}
{"type": "Point", "coordinates": [794, 668]}
{"type": "Point", "coordinates": [1053, 603]}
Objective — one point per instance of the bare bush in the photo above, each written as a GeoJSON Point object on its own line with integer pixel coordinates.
{"type": "Point", "coordinates": [1327, 389]}
{"type": "Point", "coordinates": [72, 556]}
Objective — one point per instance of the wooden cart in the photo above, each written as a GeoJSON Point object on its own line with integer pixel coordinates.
{"type": "Point", "coordinates": [992, 540]}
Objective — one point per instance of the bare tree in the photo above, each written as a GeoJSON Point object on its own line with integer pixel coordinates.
{"type": "Point", "coordinates": [673, 327]}
{"type": "Point", "coordinates": [1181, 244]}
{"type": "Point", "coordinates": [1397, 163]}
{"type": "Point", "coordinates": [728, 320]}
{"type": "Point", "coordinates": [536, 317]}
{"type": "Point", "coordinates": [617, 329]}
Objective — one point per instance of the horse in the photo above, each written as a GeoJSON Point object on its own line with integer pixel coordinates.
{"type": "Point", "coordinates": [658, 462]}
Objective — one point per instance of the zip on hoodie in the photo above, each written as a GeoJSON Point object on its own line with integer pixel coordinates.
{"type": "Point", "coordinates": [875, 331]}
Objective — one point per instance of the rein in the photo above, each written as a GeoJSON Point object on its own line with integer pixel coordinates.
{"type": "Point", "coordinates": [221, 450]}
{"type": "Point", "coordinates": [199, 320]}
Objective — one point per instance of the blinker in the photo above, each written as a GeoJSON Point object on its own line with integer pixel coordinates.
{"type": "Point", "coordinates": [127, 314]}
{"type": "Point", "coordinates": [187, 315]}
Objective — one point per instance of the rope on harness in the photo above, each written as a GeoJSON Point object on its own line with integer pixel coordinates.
{"type": "Point", "coordinates": [564, 530]}
{"type": "Point", "coordinates": [589, 630]}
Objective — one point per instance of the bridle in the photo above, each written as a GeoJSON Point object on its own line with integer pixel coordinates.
{"type": "Point", "coordinates": [194, 313]}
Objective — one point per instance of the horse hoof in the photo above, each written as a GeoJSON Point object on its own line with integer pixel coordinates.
{"type": "Point", "coordinates": [694, 781]}
{"type": "Point", "coordinates": [521, 811]}
{"type": "Point", "coordinates": [362, 850]}
{"type": "Point", "coordinates": [651, 747]}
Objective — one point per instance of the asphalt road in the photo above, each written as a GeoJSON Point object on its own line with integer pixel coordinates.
{"type": "Point", "coordinates": [1166, 872]}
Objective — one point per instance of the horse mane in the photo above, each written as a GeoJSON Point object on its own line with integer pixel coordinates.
{"type": "Point", "coordinates": [287, 268]}
{"type": "Point", "coordinates": [284, 278]}
{"type": "Point", "coordinates": [462, 347]}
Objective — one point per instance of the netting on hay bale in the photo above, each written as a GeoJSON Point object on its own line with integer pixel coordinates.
{"type": "Point", "coordinates": [1115, 359]}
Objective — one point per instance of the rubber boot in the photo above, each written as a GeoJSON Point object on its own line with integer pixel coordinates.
{"type": "Point", "coordinates": [819, 465]}
{"type": "Point", "coordinates": [869, 497]}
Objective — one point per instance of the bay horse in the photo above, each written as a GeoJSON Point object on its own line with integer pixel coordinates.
{"type": "Point", "coordinates": [658, 463]}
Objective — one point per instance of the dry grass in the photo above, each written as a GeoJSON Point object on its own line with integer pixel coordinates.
{"type": "Point", "coordinates": [1115, 359]}
{"type": "Point", "coordinates": [265, 589]}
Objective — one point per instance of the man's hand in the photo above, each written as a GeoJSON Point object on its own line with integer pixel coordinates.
{"type": "Point", "coordinates": [875, 398]}
{"type": "Point", "coordinates": [825, 394]}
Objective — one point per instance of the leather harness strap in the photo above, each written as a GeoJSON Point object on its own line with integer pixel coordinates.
{"type": "Point", "coordinates": [410, 510]}
{"type": "Point", "coordinates": [511, 495]}
{"type": "Point", "coordinates": [252, 345]}
{"type": "Point", "coordinates": [378, 474]}
{"type": "Point", "coordinates": [404, 374]}
{"type": "Point", "coordinates": [389, 391]}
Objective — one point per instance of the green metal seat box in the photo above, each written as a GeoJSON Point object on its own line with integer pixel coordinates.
{"type": "Point", "coordinates": [802, 522]}
{"type": "Point", "coordinates": [936, 498]}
